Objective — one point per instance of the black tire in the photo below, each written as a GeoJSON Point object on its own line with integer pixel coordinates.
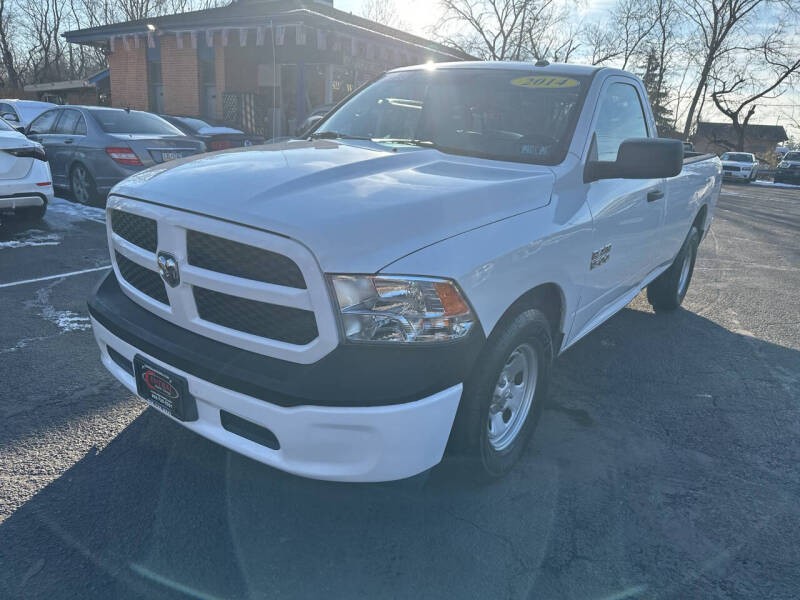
{"type": "Point", "coordinates": [82, 186]}
{"type": "Point", "coordinates": [669, 289]}
{"type": "Point", "coordinates": [31, 213]}
{"type": "Point", "coordinates": [470, 438]}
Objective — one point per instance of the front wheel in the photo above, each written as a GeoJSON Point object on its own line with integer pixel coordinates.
{"type": "Point", "coordinates": [504, 398]}
{"type": "Point", "coordinates": [669, 289]}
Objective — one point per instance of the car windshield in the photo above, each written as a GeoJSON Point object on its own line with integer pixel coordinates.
{"type": "Point", "coordinates": [193, 124]}
{"type": "Point", "coordinates": [30, 111]}
{"type": "Point", "coordinates": [792, 156]}
{"type": "Point", "coordinates": [496, 114]}
{"type": "Point", "coordinates": [737, 157]}
{"type": "Point", "coordinates": [132, 122]}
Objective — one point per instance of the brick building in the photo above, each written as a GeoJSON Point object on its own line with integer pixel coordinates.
{"type": "Point", "coordinates": [718, 138]}
{"type": "Point", "coordinates": [260, 65]}
{"type": "Point", "coordinates": [92, 91]}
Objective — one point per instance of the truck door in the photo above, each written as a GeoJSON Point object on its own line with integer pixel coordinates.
{"type": "Point", "coordinates": [627, 213]}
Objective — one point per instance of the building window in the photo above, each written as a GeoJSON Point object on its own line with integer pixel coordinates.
{"type": "Point", "coordinates": [155, 81]}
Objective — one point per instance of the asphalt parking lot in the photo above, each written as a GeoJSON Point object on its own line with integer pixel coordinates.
{"type": "Point", "coordinates": [666, 464]}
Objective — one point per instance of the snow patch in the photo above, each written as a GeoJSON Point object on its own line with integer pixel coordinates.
{"type": "Point", "coordinates": [773, 184]}
{"type": "Point", "coordinates": [65, 320]}
{"type": "Point", "coordinates": [64, 207]}
{"type": "Point", "coordinates": [33, 237]}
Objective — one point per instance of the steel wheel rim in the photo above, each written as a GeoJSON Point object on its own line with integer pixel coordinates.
{"type": "Point", "coordinates": [80, 185]}
{"type": "Point", "coordinates": [684, 279]}
{"type": "Point", "coordinates": [512, 397]}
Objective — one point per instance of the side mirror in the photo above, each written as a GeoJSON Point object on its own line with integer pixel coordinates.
{"type": "Point", "coordinates": [10, 117]}
{"type": "Point", "coordinates": [640, 158]}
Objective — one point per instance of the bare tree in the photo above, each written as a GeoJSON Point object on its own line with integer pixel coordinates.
{"type": "Point", "coordinates": [381, 11]}
{"type": "Point", "coordinates": [621, 37]}
{"type": "Point", "coordinates": [550, 31]}
{"type": "Point", "coordinates": [489, 29]}
{"type": "Point", "coordinates": [7, 46]}
{"type": "Point", "coordinates": [738, 89]}
{"type": "Point", "coordinates": [717, 25]}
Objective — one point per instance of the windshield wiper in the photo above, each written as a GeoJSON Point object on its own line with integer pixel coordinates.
{"type": "Point", "coordinates": [420, 143]}
{"type": "Point", "coordinates": [334, 135]}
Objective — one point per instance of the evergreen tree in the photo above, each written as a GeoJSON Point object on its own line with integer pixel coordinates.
{"type": "Point", "coordinates": [658, 94]}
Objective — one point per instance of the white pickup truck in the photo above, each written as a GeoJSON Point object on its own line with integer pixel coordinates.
{"type": "Point", "coordinates": [349, 306]}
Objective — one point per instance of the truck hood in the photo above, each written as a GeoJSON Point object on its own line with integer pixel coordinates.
{"type": "Point", "coordinates": [357, 206]}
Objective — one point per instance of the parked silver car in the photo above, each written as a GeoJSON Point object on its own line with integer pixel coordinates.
{"type": "Point", "coordinates": [19, 113]}
{"type": "Point", "coordinates": [90, 149]}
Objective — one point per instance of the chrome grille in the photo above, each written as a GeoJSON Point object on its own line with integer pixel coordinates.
{"type": "Point", "coordinates": [139, 231]}
{"type": "Point", "coordinates": [262, 292]}
{"type": "Point", "coordinates": [240, 260]}
{"type": "Point", "coordinates": [290, 325]}
{"type": "Point", "coordinates": [144, 280]}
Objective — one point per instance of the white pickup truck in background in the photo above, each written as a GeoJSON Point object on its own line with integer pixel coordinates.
{"type": "Point", "coordinates": [348, 306]}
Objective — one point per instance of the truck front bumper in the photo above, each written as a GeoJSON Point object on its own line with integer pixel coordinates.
{"type": "Point", "coordinates": [342, 427]}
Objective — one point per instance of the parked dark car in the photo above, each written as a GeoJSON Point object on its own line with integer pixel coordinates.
{"type": "Point", "coordinates": [214, 137]}
{"type": "Point", "coordinates": [90, 149]}
{"type": "Point", "coordinates": [788, 170]}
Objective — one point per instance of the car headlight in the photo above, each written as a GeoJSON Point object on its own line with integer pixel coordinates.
{"type": "Point", "coordinates": [401, 309]}
{"type": "Point", "coordinates": [783, 165]}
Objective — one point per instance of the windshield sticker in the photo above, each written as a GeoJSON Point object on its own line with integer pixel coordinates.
{"type": "Point", "coordinates": [546, 83]}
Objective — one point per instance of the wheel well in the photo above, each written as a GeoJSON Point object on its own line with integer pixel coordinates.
{"type": "Point", "coordinates": [549, 298]}
{"type": "Point", "coordinates": [700, 219]}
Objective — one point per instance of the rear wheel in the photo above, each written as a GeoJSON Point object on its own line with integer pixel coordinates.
{"type": "Point", "coordinates": [504, 398]}
{"type": "Point", "coordinates": [82, 185]}
{"type": "Point", "coordinates": [669, 289]}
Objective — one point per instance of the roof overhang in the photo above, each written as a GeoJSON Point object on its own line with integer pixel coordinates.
{"type": "Point", "coordinates": [222, 19]}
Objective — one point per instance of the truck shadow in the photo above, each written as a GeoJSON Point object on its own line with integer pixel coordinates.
{"type": "Point", "coordinates": [632, 463]}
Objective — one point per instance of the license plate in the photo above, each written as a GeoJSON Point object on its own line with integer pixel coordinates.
{"type": "Point", "coordinates": [163, 390]}
{"type": "Point", "coordinates": [165, 156]}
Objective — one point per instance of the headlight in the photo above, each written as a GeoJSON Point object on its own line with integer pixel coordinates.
{"type": "Point", "coordinates": [783, 165]}
{"type": "Point", "coordinates": [401, 309]}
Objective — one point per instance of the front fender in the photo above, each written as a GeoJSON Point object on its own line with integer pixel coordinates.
{"type": "Point", "coordinates": [496, 264]}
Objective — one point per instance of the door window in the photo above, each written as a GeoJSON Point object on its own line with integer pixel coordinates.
{"type": "Point", "coordinates": [621, 117]}
{"type": "Point", "coordinates": [66, 124]}
{"type": "Point", "coordinates": [44, 123]}
{"type": "Point", "coordinates": [80, 126]}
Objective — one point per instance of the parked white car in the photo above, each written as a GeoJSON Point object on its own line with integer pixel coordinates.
{"type": "Point", "coordinates": [739, 166]}
{"type": "Point", "coordinates": [26, 186]}
{"type": "Point", "coordinates": [344, 307]}
{"type": "Point", "coordinates": [19, 113]}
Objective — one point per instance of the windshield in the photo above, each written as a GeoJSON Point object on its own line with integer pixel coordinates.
{"type": "Point", "coordinates": [133, 122]}
{"type": "Point", "coordinates": [496, 114]}
{"type": "Point", "coordinates": [738, 157]}
{"type": "Point", "coordinates": [792, 156]}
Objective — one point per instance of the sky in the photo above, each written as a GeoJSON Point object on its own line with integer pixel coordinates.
{"type": "Point", "coordinates": [419, 16]}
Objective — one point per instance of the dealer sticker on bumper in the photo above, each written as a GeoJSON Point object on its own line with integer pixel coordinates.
{"type": "Point", "coordinates": [163, 390]}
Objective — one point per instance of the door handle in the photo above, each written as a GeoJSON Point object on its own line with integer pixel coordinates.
{"type": "Point", "coordinates": [654, 195]}
{"type": "Point", "coordinates": [68, 141]}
